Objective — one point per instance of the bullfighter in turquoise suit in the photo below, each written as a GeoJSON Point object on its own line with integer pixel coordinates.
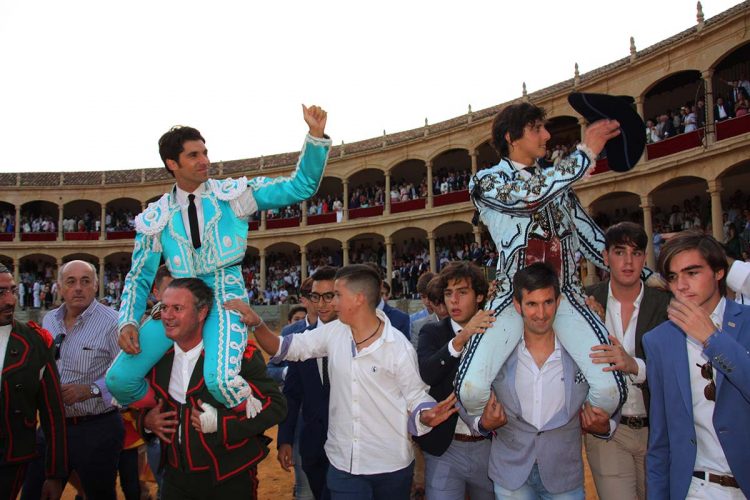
{"type": "Point", "coordinates": [165, 229]}
{"type": "Point", "coordinates": [533, 215]}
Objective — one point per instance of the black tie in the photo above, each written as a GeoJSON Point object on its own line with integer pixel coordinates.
{"type": "Point", "coordinates": [195, 232]}
{"type": "Point", "coordinates": [326, 382]}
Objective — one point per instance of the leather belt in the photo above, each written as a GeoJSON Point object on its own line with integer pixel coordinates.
{"type": "Point", "coordinates": [465, 438]}
{"type": "Point", "coordinates": [715, 478]}
{"type": "Point", "coordinates": [634, 422]}
{"type": "Point", "coordinates": [88, 418]}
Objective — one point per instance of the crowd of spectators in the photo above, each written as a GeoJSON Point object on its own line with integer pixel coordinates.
{"type": "Point", "coordinates": [119, 220]}
{"type": "Point", "coordinates": [37, 223]}
{"type": "Point", "coordinates": [7, 222]}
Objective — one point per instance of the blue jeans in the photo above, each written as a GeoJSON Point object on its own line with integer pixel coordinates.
{"type": "Point", "coordinates": [533, 489]}
{"type": "Point", "coordinates": [394, 485]}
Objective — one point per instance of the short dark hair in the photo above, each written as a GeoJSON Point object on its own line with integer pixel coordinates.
{"type": "Point", "coordinates": [434, 291]}
{"type": "Point", "coordinates": [325, 273]}
{"type": "Point", "coordinates": [536, 276]}
{"type": "Point", "coordinates": [460, 269]}
{"type": "Point", "coordinates": [375, 268]}
{"type": "Point", "coordinates": [626, 233]}
{"type": "Point", "coordinates": [707, 246]}
{"type": "Point", "coordinates": [305, 289]}
{"type": "Point", "coordinates": [171, 143]}
{"type": "Point", "coordinates": [423, 281]}
{"type": "Point", "coordinates": [161, 273]}
{"type": "Point", "coordinates": [386, 286]}
{"type": "Point", "coordinates": [512, 120]}
{"type": "Point", "coordinates": [4, 270]}
{"type": "Point", "coordinates": [294, 310]}
{"type": "Point", "coordinates": [361, 278]}
{"type": "Point", "coordinates": [202, 293]}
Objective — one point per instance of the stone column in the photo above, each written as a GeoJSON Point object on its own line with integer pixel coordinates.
{"type": "Point", "coordinates": [262, 253]}
{"type": "Point", "coordinates": [708, 76]}
{"type": "Point", "coordinates": [17, 236]}
{"type": "Point", "coordinates": [387, 208]}
{"type": "Point", "coordinates": [263, 220]}
{"type": "Point", "coordinates": [345, 253]}
{"type": "Point", "coordinates": [473, 154]}
{"type": "Point", "coordinates": [59, 222]}
{"type": "Point", "coordinates": [303, 262]}
{"type": "Point", "coordinates": [16, 270]}
{"type": "Point", "coordinates": [714, 189]}
{"type": "Point", "coordinates": [433, 253]}
{"type": "Point", "coordinates": [648, 226]}
{"type": "Point", "coordinates": [345, 184]}
{"type": "Point", "coordinates": [101, 279]}
{"type": "Point", "coordinates": [143, 207]}
{"type": "Point", "coordinates": [303, 209]}
{"type": "Point", "coordinates": [639, 106]}
{"type": "Point", "coordinates": [430, 194]}
{"type": "Point", "coordinates": [477, 235]}
{"type": "Point", "coordinates": [102, 229]}
{"type": "Point", "coordinates": [388, 259]}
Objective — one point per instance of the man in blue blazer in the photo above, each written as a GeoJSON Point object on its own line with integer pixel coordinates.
{"type": "Point", "coordinates": [698, 366]}
{"type": "Point", "coordinates": [306, 386]}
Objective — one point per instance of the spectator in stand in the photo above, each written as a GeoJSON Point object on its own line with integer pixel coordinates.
{"type": "Point", "coordinates": [691, 120]}
{"type": "Point", "coordinates": [652, 133]}
{"type": "Point", "coordinates": [676, 218]}
{"type": "Point", "coordinates": [722, 111]}
{"type": "Point", "coordinates": [741, 107]}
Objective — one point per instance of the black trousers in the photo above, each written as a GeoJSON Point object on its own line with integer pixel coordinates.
{"type": "Point", "coordinates": [94, 450]}
{"type": "Point", "coordinates": [11, 479]}
{"type": "Point", "coordinates": [316, 470]}
{"type": "Point", "coordinates": [180, 485]}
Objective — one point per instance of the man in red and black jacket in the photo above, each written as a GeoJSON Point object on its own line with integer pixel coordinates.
{"type": "Point", "coordinates": [29, 382]}
{"type": "Point", "coordinates": [208, 451]}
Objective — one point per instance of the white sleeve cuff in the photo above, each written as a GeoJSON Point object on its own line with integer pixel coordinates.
{"type": "Point", "coordinates": [641, 377]}
{"type": "Point", "coordinates": [452, 350]}
{"type": "Point", "coordinates": [738, 278]}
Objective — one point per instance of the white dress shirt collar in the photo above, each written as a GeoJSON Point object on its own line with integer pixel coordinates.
{"type": "Point", "coordinates": [4, 338]}
{"type": "Point", "coordinates": [182, 370]}
{"type": "Point", "coordinates": [181, 196]}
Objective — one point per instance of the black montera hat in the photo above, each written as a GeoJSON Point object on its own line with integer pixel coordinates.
{"type": "Point", "coordinates": [624, 151]}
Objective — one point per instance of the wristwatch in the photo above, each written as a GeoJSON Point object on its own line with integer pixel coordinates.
{"type": "Point", "coordinates": [95, 391]}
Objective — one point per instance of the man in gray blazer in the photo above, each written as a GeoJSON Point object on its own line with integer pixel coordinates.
{"type": "Point", "coordinates": [537, 404]}
{"type": "Point", "coordinates": [631, 309]}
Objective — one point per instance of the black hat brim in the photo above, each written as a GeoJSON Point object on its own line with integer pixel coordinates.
{"type": "Point", "coordinates": [623, 151]}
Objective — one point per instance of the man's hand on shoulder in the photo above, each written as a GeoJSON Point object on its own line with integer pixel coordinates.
{"type": "Point", "coordinates": [128, 340]}
{"type": "Point", "coordinates": [478, 324]}
{"type": "Point", "coordinates": [615, 356]}
{"type": "Point", "coordinates": [493, 415]}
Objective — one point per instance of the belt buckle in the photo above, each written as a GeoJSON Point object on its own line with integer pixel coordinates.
{"type": "Point", "coordinates": [636, 422]}
{"type": "Point", "coordinates": [725, 481]}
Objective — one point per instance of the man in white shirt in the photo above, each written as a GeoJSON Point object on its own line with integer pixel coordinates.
{"type": "Point", "coordinates": [377, 398]}
{"type": "Point", "coordinates": [699, 376]}
{"type": "Point", "coordinates": [535, 403]}
{"type": "Point", "coordinates": [631, 309]}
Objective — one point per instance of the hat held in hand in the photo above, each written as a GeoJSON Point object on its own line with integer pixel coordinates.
{"type": "Point", "coordinates": [623, 151]}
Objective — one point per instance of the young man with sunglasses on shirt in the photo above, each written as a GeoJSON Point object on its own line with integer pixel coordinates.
{"type": "Point", "coordinates": [698, 366]}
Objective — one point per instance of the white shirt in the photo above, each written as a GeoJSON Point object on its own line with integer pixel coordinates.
{"type": "Point", "coordinates": [374, 394]}
{"type": "Point", "coordinates": [4, 338]}
{"type": "Point", "coordinates": [541, 391]}
{"type": "Point", "coordinates": [634, 406]}
{"type": "Point", "coordinates": [709, 456]}
{"type": "Point", "coordinates": [182, 200]}
{"type": "Point", "coordinates": [182, 370]}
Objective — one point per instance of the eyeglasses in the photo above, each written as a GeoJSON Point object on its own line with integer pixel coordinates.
{"type": "Point", "coordinates": [8, 291]}
{"type": "Point", "coordinates": [707, 372]}
{"type": "Point", "coordinates": [58, 342]}
{"type": "Point", "coordinates": [327, 297]}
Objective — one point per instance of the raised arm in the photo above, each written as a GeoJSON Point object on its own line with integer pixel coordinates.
{"type": "Point", "coordinates": [303, 183]}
